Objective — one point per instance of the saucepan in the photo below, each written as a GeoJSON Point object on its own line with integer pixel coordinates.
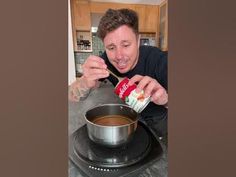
{"type": "Point", "coordinates": [111, 125]}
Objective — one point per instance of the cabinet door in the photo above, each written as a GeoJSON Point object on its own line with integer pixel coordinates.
{"type": "Point", "coordinates": [164, 26]}
{"type": "Point", "coordinates": [151, 18]}
{"type": "Point", "coordinates": [148, 16]}
{"type": "Point", "coordinates": [82, 15]}
{"type": "Point", "coordinates": [140, 9]}
{"type": "Point", "coordinates": [102, 7]}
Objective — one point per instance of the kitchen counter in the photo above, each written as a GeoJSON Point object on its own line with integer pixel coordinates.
{"type": "Point", "coordinates": [105, 94]}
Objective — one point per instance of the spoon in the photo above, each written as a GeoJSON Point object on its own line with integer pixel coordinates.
{"type": "Point", "coordinates": [117, 77]}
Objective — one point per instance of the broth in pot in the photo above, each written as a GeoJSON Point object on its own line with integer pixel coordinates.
{"type": "Point", "coordinates": [112, 120]}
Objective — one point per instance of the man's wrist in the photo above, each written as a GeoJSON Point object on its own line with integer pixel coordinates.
{"type": "Point", "coordinates": [82, 89]}
{"type": "Point", "coordinates": [78, 90]}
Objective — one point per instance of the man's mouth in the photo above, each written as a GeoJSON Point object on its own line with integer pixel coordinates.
{"type": "Point", "coordinates": [121, 64]}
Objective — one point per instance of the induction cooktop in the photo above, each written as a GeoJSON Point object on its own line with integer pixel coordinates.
{"type": "Point", "coordinates": [94, 160]}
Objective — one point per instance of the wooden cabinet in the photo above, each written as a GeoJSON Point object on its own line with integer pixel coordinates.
{"type": "Point", "coordinates": [148, 18]}
{"type": "Point", "coordinates": [81, 22]}
{"type": "Point", "coordinates": [163, 27]}
{"type": "Point", "coordinates": [151, 18]}
{"type": "Point", "coordinates": [102, 7]}
{"type": "Point", "coordinates": [82, 15]}
{"type": "Point", "coordinates": [148, 14]}
{"type": "Point", "coordinates": [81, 11]}
{"type": "Point", "coordinates": [141, 10]}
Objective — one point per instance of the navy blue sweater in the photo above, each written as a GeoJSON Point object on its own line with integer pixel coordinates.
{"type": "Point", "coordinates": [152, 62]}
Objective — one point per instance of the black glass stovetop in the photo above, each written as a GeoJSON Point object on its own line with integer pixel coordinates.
{"type": "Point", "coordinates": [95, 160]}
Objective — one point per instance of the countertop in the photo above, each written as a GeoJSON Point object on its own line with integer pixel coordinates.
{"type": "Point", "coordinates": [101, 95]}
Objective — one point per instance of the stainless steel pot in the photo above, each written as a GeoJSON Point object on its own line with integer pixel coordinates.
{"type": "Point", "coordinates": [111, 136]}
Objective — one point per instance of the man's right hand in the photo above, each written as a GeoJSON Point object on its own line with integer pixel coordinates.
{"type": "Point", "coordinates": [94, 69]}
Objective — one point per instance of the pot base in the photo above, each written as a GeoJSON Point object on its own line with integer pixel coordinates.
{"type": "Point", "coordinates": [128, 154]}
{"type": "Point", "coordinates": [118, 144]}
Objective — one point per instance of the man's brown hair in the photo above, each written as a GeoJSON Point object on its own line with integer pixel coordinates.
{"type": "Point", "coordinates": [113, 19]}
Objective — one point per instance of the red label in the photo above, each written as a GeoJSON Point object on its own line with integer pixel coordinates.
{"type": "Point", "coordinates": [123, 90]}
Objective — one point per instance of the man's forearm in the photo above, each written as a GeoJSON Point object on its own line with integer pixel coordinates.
{"type": "Point", "coordinates": [78, 90]}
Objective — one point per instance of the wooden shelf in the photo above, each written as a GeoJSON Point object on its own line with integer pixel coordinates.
{"type": "Point", "coordinates": [84, 51]}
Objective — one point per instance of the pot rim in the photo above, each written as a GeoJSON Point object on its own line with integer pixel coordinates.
{"type": "Point", "coordinates": [111, 104]}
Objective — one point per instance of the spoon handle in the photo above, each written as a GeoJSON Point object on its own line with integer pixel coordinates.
{"type": "Point", "coordinates": [119, 78]}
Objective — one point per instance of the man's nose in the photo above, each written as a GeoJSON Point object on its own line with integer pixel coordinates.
{"type": "Point", "coordinates": [119, 54]}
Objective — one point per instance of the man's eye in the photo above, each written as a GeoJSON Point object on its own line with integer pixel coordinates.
{"type": "Point", "coordinates": [110, 48]}
{"type": "Point", "coordinates": [126, 45]}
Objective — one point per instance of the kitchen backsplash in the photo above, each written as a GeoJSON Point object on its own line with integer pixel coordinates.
{"type": "Point", "coordinates": [98, 48]}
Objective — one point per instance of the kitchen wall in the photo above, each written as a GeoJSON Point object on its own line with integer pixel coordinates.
{"type": "Point", "coordinates": [97, 47]}
{"type": "Point", "coordinates": [71, 59]}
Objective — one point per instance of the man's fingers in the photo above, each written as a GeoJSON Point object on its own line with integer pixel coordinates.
{"type": "Point", "coordinates": [95, 77]}
{"type": "Point", "coordinates": [146, 80]}
{"type": "Point", "coordinates": [160, 97]}
{"type": "Point", "coordinates": [94, 64]}
{"type": "Point", "coordinates": [95, 71]}
{"type": "Point", "coordinates": [134, 79]}
{"type": "Point", "coordinates": [150, 87]}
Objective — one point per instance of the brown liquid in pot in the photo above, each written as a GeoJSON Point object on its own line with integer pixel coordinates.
{"type": "Point", "coordinates": [112, 120]}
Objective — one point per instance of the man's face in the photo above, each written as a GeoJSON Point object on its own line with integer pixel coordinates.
{"type": "Point", "coordinates": [122, 48]}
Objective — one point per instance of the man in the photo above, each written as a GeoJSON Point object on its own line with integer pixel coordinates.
{"type": "Point", "coordinates": [144, 65]}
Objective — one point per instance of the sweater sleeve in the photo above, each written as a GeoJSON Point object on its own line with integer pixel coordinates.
{"type": "Point", "coordinates": [162, 69]}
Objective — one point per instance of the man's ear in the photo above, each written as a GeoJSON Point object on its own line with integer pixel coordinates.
{"type": "Point", "coordinates": [138, 38]}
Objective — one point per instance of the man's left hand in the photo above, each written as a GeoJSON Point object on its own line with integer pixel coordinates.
{"type": "Point", "coordinates": [151, 88]}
